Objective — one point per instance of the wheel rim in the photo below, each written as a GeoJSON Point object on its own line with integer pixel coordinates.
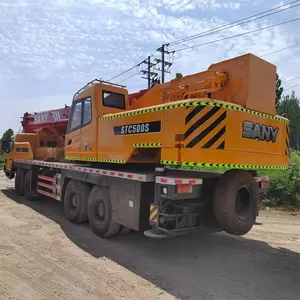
{"type": "Point", "coordinates": [99, 211]}
{"type": "Point", "coordinates": [73, 202]}
{"type": "Point", "coordinates": [243, 203]}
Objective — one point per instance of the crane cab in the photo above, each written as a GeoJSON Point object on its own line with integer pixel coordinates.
{"type": "Point", "coordinates": [96, 99]}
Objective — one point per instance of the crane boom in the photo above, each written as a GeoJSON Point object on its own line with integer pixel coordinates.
{"type": "Point", "coordinates": [58, 118]}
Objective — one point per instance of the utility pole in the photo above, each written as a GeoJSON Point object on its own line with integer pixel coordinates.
{"type": "Point", "coordinates": [148, 72]}
{"type": "Point", "coordinates": [149, 75]}
{"type": "Point", "coordinates": [163, 61]}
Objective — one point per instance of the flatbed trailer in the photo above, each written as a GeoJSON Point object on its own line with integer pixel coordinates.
{"type": "Point", "coordinates": [158, 201]}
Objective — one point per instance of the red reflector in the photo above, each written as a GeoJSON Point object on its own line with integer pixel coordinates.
{"type": "Point", "coordinates": [184, 189]}
{"type": "Point", "coordinates": [265, 184]}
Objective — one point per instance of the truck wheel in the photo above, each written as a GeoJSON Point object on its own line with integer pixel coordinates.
{"type": "Point", "coordinates": [236, 201]}
{"type": "Point", "coordinates": [29, 190]}
{"type": "Point", "coordinates": [75, 201]}
{"type": "Point", "coordinates": [101, 213]}
{"type": "Point", "coordinates": [19, 182]}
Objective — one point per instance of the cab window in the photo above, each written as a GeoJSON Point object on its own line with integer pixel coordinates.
{"type": "Point", "coordinates": [75, 118]}
{"type": "Point", "coordinates": [113, 100]}
{"type": "Point", "coordinates": [81, 114]}
{"type": "Point", "coordinates": [87, 111]}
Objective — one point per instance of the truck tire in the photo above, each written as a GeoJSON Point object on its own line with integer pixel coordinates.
{"type": "Point", "coordinates": [29, 190]}
{"type": "Point", "coordinates": [19, 182]}
{"type": "Point", "coordinates": [236, 201]}
{"type": "Point", "coordinates": [76, 201]}
{"type": "Point", "coordinates": [101, 213]}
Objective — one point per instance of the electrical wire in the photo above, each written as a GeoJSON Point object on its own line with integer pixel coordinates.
{"type": "Point", "coordinates": [237, 35]}
{"type": "Point", "coordinates": [126, 71]}
{"type": "Point", "coordinates": [135, 73]}
{"type": "Point", "coordinates": [131, 76]}
{"type": "Point", "coordinates": [279, 50]}
{"type": "Point", "coordinates": [276, 51]}
{"type": "Point", "coordinates": [291, 79]}
{"type": "Point", "coordinates": [277, 9]}
{"type": "Point", "coordinates": [221, 28]}
{"type": "Point", "coordinates": [291, 87]}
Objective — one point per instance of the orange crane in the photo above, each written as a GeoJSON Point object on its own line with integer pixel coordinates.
{"type": "Point", "coordinates": [147, 159]}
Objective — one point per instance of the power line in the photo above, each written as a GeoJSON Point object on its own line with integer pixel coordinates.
{"type": "Point", "coordinates": [277, 9]}
{"type": "Point", "coordinates": [237, 35]}
{"type": "Point", "coordinates": [129, 77]}
{"type": "Point", "coordinates": [291, 87]}
{"type": "Point", "coordinates": [276, 51]}
{"type": "Point", "coordinates": [292, 79]}
{"type": "Point", "coordinates": [126, 71]}
{"type": "Point", "coordinates": [279, 50]}
{"type": "Point", "coordinates": [224, 27]}
{"type": "Point", "coordinates": [230, 25]}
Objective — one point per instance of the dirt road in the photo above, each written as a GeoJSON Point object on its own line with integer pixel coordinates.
{"type": "Point", "coordinates": [43, 256]}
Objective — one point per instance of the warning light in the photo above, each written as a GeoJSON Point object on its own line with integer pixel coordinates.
{"type": "Point", "coordinates": [184, 189]}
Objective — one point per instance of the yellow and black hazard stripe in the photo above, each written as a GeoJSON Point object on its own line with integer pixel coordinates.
{"type": "Point", "coordinates": [142, 111]}
{"type": "Point", "coordinates": [81, 158]}
{"type": "Point", "coordinates": [72, 158]}
{"type": "Point", "coordinates": [230, 166]}
{"type": "Point", "coordinates": [116, 161]}
{"type": "Point", "coordinates": [147, 145]}
{"type": "Point", "coordinates": [205, 127]}
{"type": "Point", "coordinates": [153, 217]}
{"type": "Point", "coordinates": [198, 165]}
{"type": "Point", "coordinates": [169, 163]}
{"type": "Point", "coordinates": [287, 140]}
{"type": "Point", "coordinates": [193, 103]}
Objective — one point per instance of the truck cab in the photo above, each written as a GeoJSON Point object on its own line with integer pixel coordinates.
{"type": "Point", "coordinates": [90, 103]}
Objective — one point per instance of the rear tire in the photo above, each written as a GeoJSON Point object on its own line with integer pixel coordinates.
{"type": "Point", "coordinates": [236, 201]}
{"type": "Point", "coordinates": [30, 191]}
{"type": "Point", "coordinates": [76, 201]}
{"type": "Point", "coordinates": [101, 213]}
{"type": "Point", "coordinates": [20, 182]}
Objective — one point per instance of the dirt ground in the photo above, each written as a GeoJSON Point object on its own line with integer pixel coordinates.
{"type": "Point", "coordinates": [43, 256]}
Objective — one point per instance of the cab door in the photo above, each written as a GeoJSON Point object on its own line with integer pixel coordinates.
{"type": "Point", "coordinates": [89, 131]}
{"type": "Point", "coordinates": [73, 136]}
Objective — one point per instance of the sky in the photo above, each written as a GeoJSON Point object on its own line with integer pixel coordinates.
{"type": "Point", "coordinates": [50, 49]}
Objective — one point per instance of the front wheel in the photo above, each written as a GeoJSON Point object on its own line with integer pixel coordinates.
{"type": "Point", "coordinates": [20, 182]}
{"type": "Point", "coordinates": [236, 201]}
{"type": "Point", "coordinates": [101, 213]}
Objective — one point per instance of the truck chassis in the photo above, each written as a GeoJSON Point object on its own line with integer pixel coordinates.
{"type": "Point", "coordinates": [117, 199]}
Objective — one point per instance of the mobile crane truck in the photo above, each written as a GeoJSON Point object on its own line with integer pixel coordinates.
{"type": "Point", "coordinates": [146, 161]}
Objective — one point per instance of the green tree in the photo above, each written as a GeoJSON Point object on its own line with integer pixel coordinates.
{"type": "Point", "coordinates": [290, 105]}
{"type": "Point", "coordinates": [8, 135]}
{"type": "Point", "coordinates": [279, 90]}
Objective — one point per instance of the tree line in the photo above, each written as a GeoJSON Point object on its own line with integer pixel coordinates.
{"type": "Point", "coordinates": [289, 105]}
